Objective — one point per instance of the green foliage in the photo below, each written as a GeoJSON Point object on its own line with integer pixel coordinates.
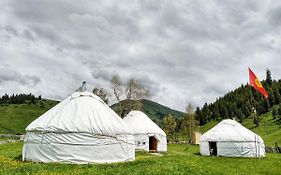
{"type": "Point", "coordinates": [169, 126]}
{"type": "Point", "coordinates": [188, 124]}
{"type": "Point", "coordinates": [178, 160]}
{"type": "Point", "coordinates": [239, 102]}
{"type": "Point", "coordinates": [19, 99]}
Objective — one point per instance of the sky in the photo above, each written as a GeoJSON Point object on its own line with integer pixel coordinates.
{"type": "Point", "coordinates": [183, 51]}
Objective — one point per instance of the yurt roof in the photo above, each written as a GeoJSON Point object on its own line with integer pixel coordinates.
{"type": "Point", "coordinates": [80, 112]}
{"type": "Point", "coordinates": [140, 123]}
{"type": "Point", "coordinates": [230, 130]}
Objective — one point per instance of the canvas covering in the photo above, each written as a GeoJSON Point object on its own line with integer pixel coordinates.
{"type": "Point", "coordinates": [80, 129]}
{"type": "Point", "coordinates": [143, 128]}
{"type": "Point", "coordinates": [233, 140]}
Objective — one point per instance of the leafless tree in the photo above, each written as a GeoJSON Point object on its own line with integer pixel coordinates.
{"type": "Point", "coordinates": [130, 98]}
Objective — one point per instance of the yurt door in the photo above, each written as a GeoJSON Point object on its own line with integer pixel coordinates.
{"type": "Point", "coordinates": [152, 144]}
{"type": "Point", "coordinates": [213, 148]}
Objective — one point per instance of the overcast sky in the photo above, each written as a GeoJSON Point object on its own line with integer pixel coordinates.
{"type": "Point", "coordinates": [183, 51]}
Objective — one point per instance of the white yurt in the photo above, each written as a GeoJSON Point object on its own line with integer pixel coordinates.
{"type": "Point", "coordinates": [229, 138]}
{"type": "Point", "coordinates": [148, 136]}
{"type": "Point", "coordinates": [81, 129]}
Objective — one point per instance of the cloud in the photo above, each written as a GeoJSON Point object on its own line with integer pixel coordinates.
{"type": "Point", "coordinates": [13, 76]}
{"type": "Point", "coordinates": [183, 51]}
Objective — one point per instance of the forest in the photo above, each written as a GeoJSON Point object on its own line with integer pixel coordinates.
{"type": "Point", "coordinates": [242, 102]}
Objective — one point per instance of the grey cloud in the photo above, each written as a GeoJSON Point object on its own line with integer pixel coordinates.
{"type": "Point", "coordinates": [11, 30]}
{"type": "Point", "coordinates": [183, 51]}
{"type": "Point", "coordinates": [7, 75]}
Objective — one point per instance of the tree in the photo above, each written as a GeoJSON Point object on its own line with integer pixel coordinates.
{"type": "Point", "coordinates": [188, 125]}
{"type": "Point", "coordinates": [117, 87]}
{"type": "Point", "coordinates": [198, 116]}
{"type": "Point", "coordinates": [169, 126]}
{"type": "Point", "coordinates": [117, 91]}
{"type": "Point", "coordinates": [102, 93]}
{"type": "Point", "coordinates": [268, 77]}
{"type": "Point", "coordinates": [130, 98]}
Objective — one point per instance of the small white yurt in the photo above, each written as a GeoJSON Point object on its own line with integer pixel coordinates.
{"type": "Point", "coordinates": [148, 136]}
{"type": "Point", "coordinates": [81, 129]}
{"type": "Point", "coordinates": [229, 138]}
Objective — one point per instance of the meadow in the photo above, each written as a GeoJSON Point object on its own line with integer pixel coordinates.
{"type": "Point", "coordinates": [178, 160]}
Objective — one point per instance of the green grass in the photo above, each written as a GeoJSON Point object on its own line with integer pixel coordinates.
{"type": "Point", "coordinates": [176, 161]}
{"type": "Point", "coordinates": [269, 129]}
{"type": "Point", "coordinates": [15, 117]}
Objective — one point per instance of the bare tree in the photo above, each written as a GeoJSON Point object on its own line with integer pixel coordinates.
{"type": "Point", "coordinates": [117, 87]}
{"type": "Point", "coordinates": [102, 93]}
{"type": "Point", "coordinates": [132, 96]}
{"type": "Point", "coordinates": [135, 92]}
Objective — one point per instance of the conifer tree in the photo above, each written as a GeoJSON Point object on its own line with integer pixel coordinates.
{"type": "Point", "coordinates": [268, 77]}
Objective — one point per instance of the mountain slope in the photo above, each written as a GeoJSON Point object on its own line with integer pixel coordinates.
{"type": "Point", "coordinates": [155, 111]}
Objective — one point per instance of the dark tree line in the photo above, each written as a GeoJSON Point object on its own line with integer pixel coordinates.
{"type": "Point", "coordinates": [239, 103]}
{"type": "Point", "coordinates": [19, 99]}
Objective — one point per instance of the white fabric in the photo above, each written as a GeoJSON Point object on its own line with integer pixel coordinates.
{"type": "Point", "coordinates": [143, 128]}
{"type": "Point", "coordinates": [233, 140]}
{"type": "Point", "coordinates": [80, 129]}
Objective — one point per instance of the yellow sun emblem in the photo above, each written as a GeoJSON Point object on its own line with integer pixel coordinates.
{"type": "Point", "coordinates": [258, 83]}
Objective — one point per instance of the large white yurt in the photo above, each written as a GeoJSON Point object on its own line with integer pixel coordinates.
{"type": "Point", "coordinates": [229, 138]}
{"type": "Point", "coordinates": [148, 136]}
{"type": "Point", "coordinates": [81, 129]}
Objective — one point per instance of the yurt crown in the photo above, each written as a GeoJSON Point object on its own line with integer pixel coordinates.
{"type": "Point", "coordinates": [82, 88]}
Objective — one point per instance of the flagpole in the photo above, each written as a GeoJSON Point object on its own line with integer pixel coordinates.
{"type": "Point", "coordinates": [254, 111]}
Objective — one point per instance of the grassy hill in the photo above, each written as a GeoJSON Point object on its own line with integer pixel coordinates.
{"type": "Point", "coordinates": [156, 111]}
{"type": "Point", "coordinates": [269, 129]}
{"type": "Point", "coordinates": [15, 117]}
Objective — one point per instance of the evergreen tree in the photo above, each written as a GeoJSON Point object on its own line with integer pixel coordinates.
{"type": "Point", "coordinates": [268, 77]}
{"type": "Point", "coordinates": [198, 116]}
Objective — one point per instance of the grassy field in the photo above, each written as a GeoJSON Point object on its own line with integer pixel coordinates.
{"type": "Point", "coordinates": [176, 161]}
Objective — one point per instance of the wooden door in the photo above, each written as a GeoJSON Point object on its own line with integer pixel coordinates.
{"type": "Point", "coordinates": [152, 144]}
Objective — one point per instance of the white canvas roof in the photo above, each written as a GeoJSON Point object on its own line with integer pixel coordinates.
{"type": "Point", "coordinates": [140, 123]}
{"type": "Point", "coordinates": [229, 130]}
{"type": "Point", "coordinates": [80, 112]}
{"type": "Point", "coordinates": [80, 129]}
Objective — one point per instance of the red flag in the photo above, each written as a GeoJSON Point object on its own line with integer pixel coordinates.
{"type": "Point", "coordinates": [255, 83]}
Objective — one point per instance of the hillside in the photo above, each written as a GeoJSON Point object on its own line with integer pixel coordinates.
{"type": "Point", "coordinates": [156, 111]}
{"type": "Point", "coordinates": [15, 117]}
{"type": "Point", "coordinates": [269, 129]}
